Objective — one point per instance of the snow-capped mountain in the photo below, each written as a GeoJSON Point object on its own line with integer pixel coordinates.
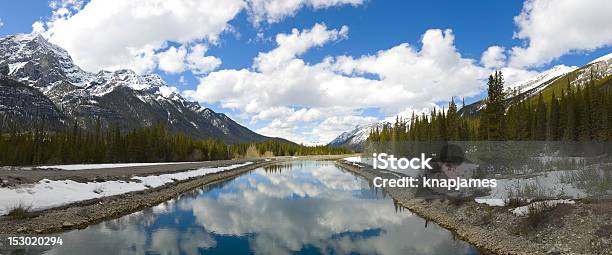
{"type": "Point", "coordinates": [598, 68]}
{"type": "Point", "coordinates": [355, 138]}
{"type": "Point", "coordinates": [32, 59]}
{"type": "Point", "coordinates": [606, 58]}
{"type": "Point", "coordinates": [38, 72]}
{"type": "Point", "coordinates": [535, 84]}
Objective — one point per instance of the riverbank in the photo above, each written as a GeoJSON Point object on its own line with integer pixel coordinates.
{"type": "Point", "coordinates": [580, 228]}
{"type": "Point", "coordinates": [84, 213]}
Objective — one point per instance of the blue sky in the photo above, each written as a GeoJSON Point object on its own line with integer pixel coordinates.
{"type": "Point", "coordinates": [250, 29]}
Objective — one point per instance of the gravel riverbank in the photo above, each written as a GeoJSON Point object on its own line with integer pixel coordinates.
{"type": "Point", "coordinates": [580, 228]}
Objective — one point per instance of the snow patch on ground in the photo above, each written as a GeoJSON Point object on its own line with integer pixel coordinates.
{"type": "Point", "coordinates": [47, 193]}
{"type": "Point", "coordinates": [356, 159]}
{"type": "Point", "coordinates": [548, 184]}
{"type": "Point", "coordinates": [101, 166]}
{"type": "Point", "coordinates": [491, 201]}
{"type": "Point", "coordinates": [524, 210]}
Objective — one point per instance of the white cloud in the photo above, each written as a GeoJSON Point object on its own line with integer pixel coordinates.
{"type": "Point", "coordinates": [281, 84]}
{"type": "Point", "coordinates": [172, 60]}
{"type": "Point", "coordinates": [102, 34]}
{"type": "Point", "coordinates": [199, 63]}
{"type": "Point", "coordinates": [1, 23]}
{"type": "Point", "coordinates": [295, 44]}
{"type": "Point", "coordinates": [555, 28]}
{"type": "Point", "coordinates": [38, 27]}
{"type": "Point", "coordinates": [126, 34]}
{"type": "Point", "coordinates": [273, 11]}
{"type": "Point", "coordinates": [288, 114]}
{"type": "Point", "coordinates": [493, 57]}
{"type": "Point", "coordinates": [285, 130]}
{"type": "Point", "coordinates": [177, 60]}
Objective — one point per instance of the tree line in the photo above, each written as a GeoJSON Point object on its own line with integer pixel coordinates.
{"type": "Point", "coordinates": [579, 113]}
{"type": "Point", "coordinates": [146, 144]}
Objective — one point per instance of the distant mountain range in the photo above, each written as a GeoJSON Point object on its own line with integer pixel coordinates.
{"type": "Point", "coordinates": [39, 80]}
{"type": "Point", "coordinates": [547, 82]}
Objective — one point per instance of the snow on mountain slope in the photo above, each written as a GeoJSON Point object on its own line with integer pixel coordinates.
{"type": "Point", "coordinates": [105, 82]}
{"type": "Point", "coordinates": [356, 137]}
{"type": "Point", "coordinates": [599, 68]}
{"type": "Point", "coordinates": [606, 58]}
{"type": "Point", "coordinates": [53, 63]}
{"type": "Point", "coordinates": [542, 78]}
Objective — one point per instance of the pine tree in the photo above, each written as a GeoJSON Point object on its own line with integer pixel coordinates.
{"type": "Point", "coordinates": [452, 121]}
{"type": "Point", "coordinates": [495, 107]}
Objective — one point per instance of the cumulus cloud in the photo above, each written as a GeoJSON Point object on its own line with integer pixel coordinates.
{"type": "Point", "coordinates": [177, 60]}
{"type": "Point", "coordinates": [112, 35]}
{"type": "Point", "coordinates": [128, 34]}
{"type": "Point", "coordinates": [493, 57]}
{"type": "Point", "coordinates": [281, 84]}
{"type": "Point", "coordinates": [295, 44]}
{"type": "Point", "coordinates": [273, 11]}
{"type": "Point", "coordinates": [198, 62]}
{"type": "Point", "coordinates": [554, 28]}
{"type": "Point", "coordinates": [38, 27]}
{"type": "Point", "coordinates": [1, 23]}
{"type": "Point", "coordinates": [172, 60]}
{"type": "Point", "coordinates": [288, 114]}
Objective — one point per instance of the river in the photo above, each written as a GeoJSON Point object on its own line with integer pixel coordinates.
{"type": "Point", "coordinates": [300, 207]}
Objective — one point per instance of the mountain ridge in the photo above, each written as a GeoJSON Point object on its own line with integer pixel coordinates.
{"type": "Point", "coordinates": [120, 97]}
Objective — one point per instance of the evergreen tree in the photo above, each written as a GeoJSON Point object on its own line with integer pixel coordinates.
{"type": "Point", "coordinates": [495, 107]}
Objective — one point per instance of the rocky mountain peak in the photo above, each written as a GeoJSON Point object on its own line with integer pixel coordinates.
{"type": "Point", "coordinates": [121, 97]}
{"type": "Point", "coordinates": [34, 60]}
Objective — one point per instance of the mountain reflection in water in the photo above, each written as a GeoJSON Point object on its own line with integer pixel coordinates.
{"type": "Point", "coordinates": [302, 207]}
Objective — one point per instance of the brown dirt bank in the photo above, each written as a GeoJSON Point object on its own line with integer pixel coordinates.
{"type": "Point", "coordinates": [84, 213]}
{"type": "Point", "coordinates": [581, 228]}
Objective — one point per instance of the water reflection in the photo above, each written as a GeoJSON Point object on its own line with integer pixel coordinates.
{"type": "Point", "coordinates": [304, 207]}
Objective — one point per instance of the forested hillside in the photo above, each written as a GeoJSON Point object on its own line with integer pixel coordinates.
{"type": "Point", "coordinates": [581, 112]}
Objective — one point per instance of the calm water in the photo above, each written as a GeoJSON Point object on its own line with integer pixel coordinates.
{"type": "Point", "coordinates": [302, 207]}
